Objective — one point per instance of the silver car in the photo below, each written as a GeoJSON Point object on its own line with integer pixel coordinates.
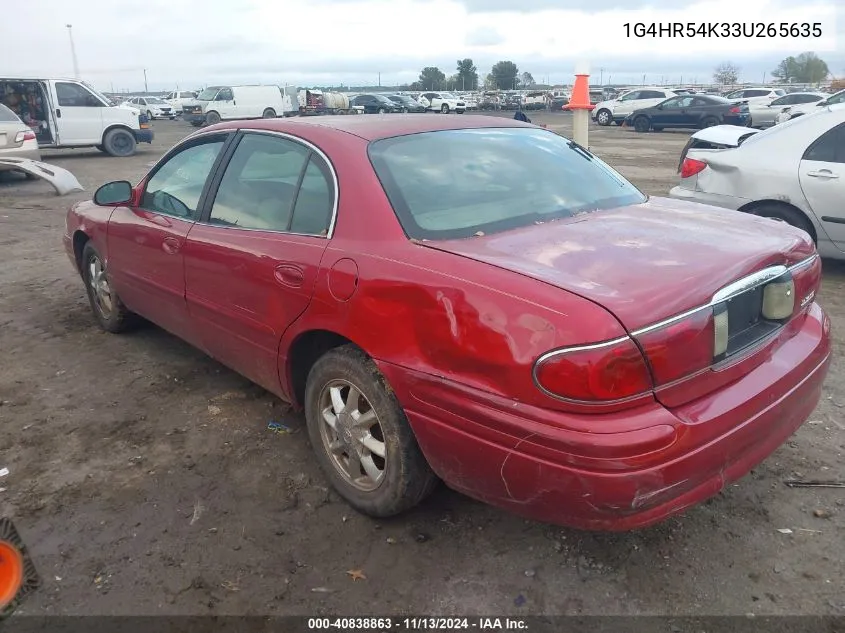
{"type": "Point", "coordinates": [793, 172]}
{"type": "Point", "coordinates": [17, 139]}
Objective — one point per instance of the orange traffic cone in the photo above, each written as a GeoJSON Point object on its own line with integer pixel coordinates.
{"type": "Point", "coordinates": [17, 573]}
{"type": "Point", "coordinates": [580, 98]}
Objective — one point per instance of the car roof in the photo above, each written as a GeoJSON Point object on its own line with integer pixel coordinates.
{"type": "Point", "coordinates": [373, 127]}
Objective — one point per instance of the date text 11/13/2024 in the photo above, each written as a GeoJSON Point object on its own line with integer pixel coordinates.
{"type": "Point", "coordinates": [416, 624]}
{"type": "Point", "coordinates": [723, 29]}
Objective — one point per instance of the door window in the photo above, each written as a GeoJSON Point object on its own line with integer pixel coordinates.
{"type": "Point", "coordinates": [224, 95]}
{"type": "Point", "coordinates": [75, 96]}
{"type": "Point", "coordinates": [652, 94]}
{"type": "Point", "coordinates": [274, 184]}
{"type": "Point", "coordinates": [829, 147]}
{"type": "Point", "coordinates": [176, 187]}
{"type": "Point", "coordinates": [631, 96]}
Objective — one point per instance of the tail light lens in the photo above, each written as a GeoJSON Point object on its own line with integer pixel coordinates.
{"type": "Point", "coordinates": [691, 167]}
{"type": "Point", "coordinates": [685, 346]}
{"type": "Point", "coordinates": [735, 110]}
{"type": "Point", "coordinates": [27, 135]}
{"type": "Point", "coordinates": [596, 373]}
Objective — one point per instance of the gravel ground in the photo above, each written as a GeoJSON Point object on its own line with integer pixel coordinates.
{"type": "Point", "coordinates": [145, 481]}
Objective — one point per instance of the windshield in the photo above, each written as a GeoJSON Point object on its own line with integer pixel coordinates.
{"type": "Point", "coordinates": [447, 95]}
{"type": "Point", "coordinates": [100, 95]}
{"type": "Point", "coordinates": [458, 183]}
{"type": "Point", "coordinates": [208, 94]}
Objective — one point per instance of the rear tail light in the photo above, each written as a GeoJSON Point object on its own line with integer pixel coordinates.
{"type": "Point", "coordinates": [735, 110]}
{"type": "Point", "coordinates": [605, 372]}
{"type": "Point", "coordinates": [684, 346]}
{"type": "Point", "coordinates": [27, 135]}
{"type": "Point", "coordinates": [691, 167]}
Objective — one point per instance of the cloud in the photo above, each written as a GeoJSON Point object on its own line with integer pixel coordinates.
{"type": "Point", "coordinates": [329, 42]}
{"type": "Point", "coordinates": [484, 36]}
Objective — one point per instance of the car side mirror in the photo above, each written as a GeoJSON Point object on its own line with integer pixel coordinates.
{"type": "Point", "coordinates": [113, 194]}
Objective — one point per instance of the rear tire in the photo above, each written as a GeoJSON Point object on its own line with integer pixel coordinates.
{"type": "Point", "coordinates": [405, 478]}
{"type": "Point", "coordinates": [269, 113]}
{"type": "Point", "coordinates": [642, 124]}
{"type": "Point", "coordinates": [149, 115]}
{"type": "Point", "coordinates": [604, 117]}
{"type": "Point", "coordinates": [709, 122]}
{"type": "Point", "coordinates": [784, 213]}
{"type": "Point", "coordinates": [119, 142]}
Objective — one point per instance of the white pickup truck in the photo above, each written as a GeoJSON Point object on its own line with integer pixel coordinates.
{"type": "Point", "coordinates": [67, 113]}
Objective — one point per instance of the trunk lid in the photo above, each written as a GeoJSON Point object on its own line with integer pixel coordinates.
{"type": "Point", "coordinates": [717, 137]}
{"type": "Point", "coordinates": [644, 262]}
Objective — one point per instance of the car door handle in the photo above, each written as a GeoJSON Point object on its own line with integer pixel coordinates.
{"type": "Point", "coordinates": [58, 113]}
{"type": "Point", "coordinates": [289, 275]}
{"type": "Point", "coordinates": [171, 245]}
{"type": "Point", "coordinates": [823, 173]}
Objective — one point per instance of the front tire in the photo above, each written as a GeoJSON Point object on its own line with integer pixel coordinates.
{"type": "Point", "coordinates": [444, 108]}
{"type": "Point", "coordinates": [269, 113]}
{"type": "Point", "coordinates": [642, 124]}
{"type": "Point", "coordinates": [105, 303]}
{"type": "Point", "coordinates": [604, 117]}
{"type": "Point", "coordinates": [120, 143]}
{"type": "Point", "coordinates": [212, 118]}
{"type": "Point", "coordinates": [361, 436]}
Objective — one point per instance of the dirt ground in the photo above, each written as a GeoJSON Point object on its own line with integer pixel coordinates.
{"type": "Point", "coordinates": [145, 481]}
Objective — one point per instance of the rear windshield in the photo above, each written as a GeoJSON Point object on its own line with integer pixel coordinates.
{"type": "Point", "coordinates": [459, 183]}
{"type": "Point", "coordinates": [7, 115]}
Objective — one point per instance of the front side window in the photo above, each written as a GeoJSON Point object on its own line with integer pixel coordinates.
{"type": "Point", "coordinates": [75, 96]}
{"type": "Point", "coordinates": [274, 184]}
{"type": "Point", "coordinates": [459, 183]}
{"type": "Point", "coordinates": [176, 187]}
{"type": "Point", "coordinates": [631, 96]}
{"type": "Point", "coordinates": [224, 95]}
{"type": "Point", "coordinates": [839, 97]}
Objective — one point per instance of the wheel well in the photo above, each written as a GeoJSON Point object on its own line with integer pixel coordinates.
{"type": "Point", "coordinates": [80, 239]}
{"type": "Point", "coordinates": [117, 126]}
{"type": "Point", "coordinates": [752, 207]}
{"type": "Point", "coordinates": [304, 352]}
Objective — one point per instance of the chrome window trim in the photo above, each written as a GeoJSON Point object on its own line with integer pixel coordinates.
{"type": "Point", "coordinates": [309, 145]}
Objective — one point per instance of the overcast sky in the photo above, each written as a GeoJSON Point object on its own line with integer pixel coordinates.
{"type": "Point", "coordinates": [308, 42]}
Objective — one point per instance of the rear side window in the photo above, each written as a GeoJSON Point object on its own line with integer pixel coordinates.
{"type": "Point", "coordinates": [652, 94]}
{"type": "Point", "coordinates": [7, 116]}
{"type": "Point", "coordinates": [275, 184]}
{"type": "Point", "coordinates": [804, 99]}
{"type": "Point", "coordinates": [457, 183]}
{"type": "Point", "coordinates": [756, 93]}
{"type": "Point", "coordinates": [829, 147]}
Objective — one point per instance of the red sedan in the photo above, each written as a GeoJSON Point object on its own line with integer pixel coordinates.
{"type": "Point", "coordinates": [472, 299]}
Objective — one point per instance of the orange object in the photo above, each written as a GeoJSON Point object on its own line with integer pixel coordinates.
{"type": "Point", "coordinates": [580, 99]}
{"type": "Point", "coordinates": [11, 573]}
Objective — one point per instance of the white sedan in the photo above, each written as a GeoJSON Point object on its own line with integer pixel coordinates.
{"type": "Point", "coordinates": [765, 114]}
{"type": "Point", "coordinates": [809, 108]}
{"type": "Point", "coordinates": [154, 107]}
{"type": "Point", "coordinates": [793, 172]}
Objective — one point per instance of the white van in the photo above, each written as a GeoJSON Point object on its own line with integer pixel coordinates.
{"type": "Point", "coordinates": [221, 103]}
{"type": "Point", "coordinates": [178, 99]}
{"type": "Point", "coordinates": [70, 113]}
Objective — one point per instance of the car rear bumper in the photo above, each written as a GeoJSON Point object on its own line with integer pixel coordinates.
{"type": "Point", "coordinates": [29, 150]}
{"type": "Point", "coordinates": [615, 471]}
{"type": "Point", "coordinates": [145, 135]}
{"type": "Point", "coordinates": [712, 199]}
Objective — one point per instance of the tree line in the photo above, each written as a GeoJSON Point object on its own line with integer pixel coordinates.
{"type": "Point", "coordinates": [806, 68]}
{"type": "Point", "coordinates": [504, 75]}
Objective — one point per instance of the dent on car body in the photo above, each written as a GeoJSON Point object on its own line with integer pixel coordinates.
{"type": "Point", "coordinates": [60, 179]}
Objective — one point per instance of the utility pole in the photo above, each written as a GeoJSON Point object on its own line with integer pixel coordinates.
{"type": "Point", "coordinates": [601, 76]}
{"type": "Point", "coordinates": [73, 51]}
{"type": "Point", "coordinates": [145, 81]}
{"type": "Point", "coordinates": [379, 80]}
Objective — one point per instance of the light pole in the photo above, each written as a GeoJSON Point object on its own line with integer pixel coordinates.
{"type": "Point", "coordinates": [73, 51]}
{"type": "Point", "coordinates": [145, 81]}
